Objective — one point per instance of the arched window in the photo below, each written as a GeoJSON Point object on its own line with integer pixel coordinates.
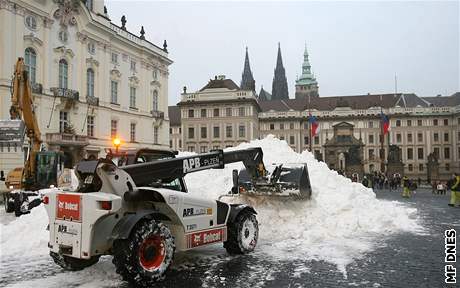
{"type": "Point", "coordinates": [90, 82]}
{"type": "Point", "coordinates": [63, 73]}
{"type": "Point", "coordinates": [155, 100]}
{"type": "Point", "coordinates": [31, 64]}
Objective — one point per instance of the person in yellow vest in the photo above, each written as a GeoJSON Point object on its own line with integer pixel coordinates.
{"type": "Point", "coordinates": [455, 190]}
{"type": "Point", "coordinates": [406, 190]}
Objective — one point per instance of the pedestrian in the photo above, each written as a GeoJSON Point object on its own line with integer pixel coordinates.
{"type": "Point", "coordinates": [365, 181]}
{"type": "Point", "coordinates": [406, 190]}
{"type": "Point", "coordinates": [455, 190]}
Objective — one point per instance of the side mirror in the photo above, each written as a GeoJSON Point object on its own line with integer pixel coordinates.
{"type": "Point", "coordinates": [2, 176]}
{"type": "Point", "coordinates": [235, 188]}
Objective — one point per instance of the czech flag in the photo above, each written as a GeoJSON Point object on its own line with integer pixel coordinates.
{"type": "Point", "coordinates": [314, 125]}
{"type": "Point", "coordinates": [385, 123]}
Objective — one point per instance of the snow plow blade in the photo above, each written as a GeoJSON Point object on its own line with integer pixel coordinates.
{"type": "Point", "coordinates": [286, 181]}
{"type": "Point", "coordinates": [11, 132]}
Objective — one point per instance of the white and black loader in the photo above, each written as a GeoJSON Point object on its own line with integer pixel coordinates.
{"type": "Point", "coordinates": [141, 214]}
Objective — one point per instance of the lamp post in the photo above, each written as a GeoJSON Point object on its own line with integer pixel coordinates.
{"type": "Point", "coordinates": [116, 143]}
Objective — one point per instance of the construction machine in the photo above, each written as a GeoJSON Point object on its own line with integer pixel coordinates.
{"type": "Point", "coordinates": [141, 213]}
{"type": "Point", "coordinates": [41, 168]}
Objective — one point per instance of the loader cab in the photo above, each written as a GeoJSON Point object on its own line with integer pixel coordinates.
{"type": "Point", "coordinates": [123, 158]}
{"type": "Point", "coordinates": [50, 166]}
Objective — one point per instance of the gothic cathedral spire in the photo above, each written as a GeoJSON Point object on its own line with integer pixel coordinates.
{"type": "Point", "coordinates": [279, 87]}
{"type": "Point", "coordinates": [247, 80]}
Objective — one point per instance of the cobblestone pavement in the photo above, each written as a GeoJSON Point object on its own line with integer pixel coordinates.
{"type": "Point", "coordinates": [402, 260]}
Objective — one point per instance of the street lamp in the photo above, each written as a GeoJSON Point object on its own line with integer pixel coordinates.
{"type": "Point", "coordinates": [116, 143]}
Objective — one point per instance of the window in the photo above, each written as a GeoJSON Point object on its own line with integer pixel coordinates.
{"type": "Point", "coordinates": [63, 36]}
{"type": "Point", "coordinates": [63, 73]}
{"type": "Point", "coordinates": [31, 64]}
{"type": "Point", "coordinates": [435, 137]}
{"type": "Point", "coordinates": [170, 143]}
{"type": "Point", "coordinates": [371, 154]}
{"type": "Point", "coordinates": [228, 131]}
{"type": "Point", "coordinates": [114, 58]}
{"type": "Point", "coordinates": [113, 128]}
{"type": "Point", "coordinates": [215, 147]}
{"type": "Point", "coordinates": [291, 140]}
{"type": "Point", "coordinates": [90, 82]}
{"type": "Point", "coordinates": [241, 112]}
{"type": "Point", "coordinates": [398, 123]}
{"type": "Point", "coordinates": [281, 126]}
{"type": "Point", "coordinates": [216, 131]}
{"type": "Point", "coordinates": [272, 126]}
{"type": "Point", "coordinates": [216, 112]}
{"type": "Point", "coordinates": [371, 139]}
{"type": "Point", "coordinates": [305, 140]}
{"type": "Point", "coordinates": [420, 153]}
{"type": "Point", "coordinates": [63, 121]}
{"type": "Point", "coordinates": [155, 100]}
{"type": "Point", "coordinates": [447, 166]}
{"type": "Point", "coordinates": [90, 126]}
{"type": "Point", "coordinates": [410, 153]}
{"type": "Point", "coordinates": [31, 22]}
{"type": "Point", "coordinates": [411, 167]}
{"type": "Point", "coordinates": [155, 135]}
{"type": "Point", "coordinates": [409, 123]}
{"type": "Point", "coordinates": [191, 148]}
{"type": "Point", "coordinates": [409, 137]}
{"type": "Point", "coordinates": [420, 167]}
{"type": "Point", "coordinates": [419, 123]}
{"type": "Point", "coordinates": [281, 137]}
{"type": "Point", "coordinates": [132, 97]}
{"type": "Point", "coordinates": [170, 131]}
{"type": "Point", "coordinates": [89, 4]}
{"type": "Point", "coordinates": [446, 137]}
{"type": "Point", "coordinates": [133, 65]}
{"type": "Point", "coordinates": [114, 92]}
{"type": "Point", "coordinates": [446, 152]}
{"type": "Point", "coordinates": [371, 124]}
{"type": "Point", "coordinates": [419, 137]}
{"type": "Point", "coordinates": [228, 112]}
{"type": "Point", "coordinates": [436, 152]}
{"type": "Point", "coordinates": [316, 140]}
{"type": "Point", "coordinates": [132, 132]}
{"type": "Point", "coordinates": [204, 132]}
{"type": "Point", "coordinates": [242, 131]}
{"type": "Point", "coordinates": [180, 143]}
{"type": "Point", "coordinates": [191, 113]}
{"type": "Point", "coordinates": [446, 122]}
{"type": "Point", "coordinates": [203, 113]}
{"type": "Point", "coordinates": [191, 133]}
{"type": "Point", "coordinates": [435, 122]}
{"type": "Point", "coordinates": [203, 149]}
{"type": "Point", "coordinates": [398, 138]}
{"type": "Point", "coordinates": [291, 126]}
{"type": "Point", "coordinates": [155, 74]}
{"type": "Point", "coordinates": [91, 48]}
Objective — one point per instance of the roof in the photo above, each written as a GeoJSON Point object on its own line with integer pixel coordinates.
{"type": "Point", "coordinates": [283, 105]}
{"type": "Point", "coordinates": [452, 100]}
{"type": "Point", "coordinates": [264, 95]}
{"type": "Point", "coordinates": [221, 83]}
{"type": "Point", "coordinates": [174, 115]}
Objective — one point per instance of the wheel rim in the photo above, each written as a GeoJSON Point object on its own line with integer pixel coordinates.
{"type": "Point", "coordinates": [248, 234]}
{"type": "Point", "coordinates": [152, 253]}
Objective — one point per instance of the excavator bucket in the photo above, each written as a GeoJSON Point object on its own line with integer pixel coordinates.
{"type": "Point", "coordinates": [286, 181]}
{"type": "Point", "coordinates": [11, 132]}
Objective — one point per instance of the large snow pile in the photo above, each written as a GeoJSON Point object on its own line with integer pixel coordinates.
{"type": "Point", "coordinates": [342, 221]}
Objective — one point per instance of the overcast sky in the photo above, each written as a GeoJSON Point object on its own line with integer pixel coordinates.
{"type": "Point", "coordinates": [355, 47]}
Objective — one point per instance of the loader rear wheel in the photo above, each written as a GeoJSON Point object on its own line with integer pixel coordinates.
{"type": "Point", "coordinates": [243, 234]}
{"type": "Point", "coordinates": [145, 256]}
{"type": "Point", "coordinates": [73, 264]}
{"type": "Point", "coordinates": [9, 203]}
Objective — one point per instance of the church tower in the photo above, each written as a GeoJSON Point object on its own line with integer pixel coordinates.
{"type": "Point", "coordinates": [247, 80]}
{"type": "Point", "coordinates": [306, 85]}
{"type": "Point", "coordinates": [279, 87]}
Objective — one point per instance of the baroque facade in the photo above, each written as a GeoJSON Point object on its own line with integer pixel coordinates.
{"type": "Point", "coordinates": [92, 79]}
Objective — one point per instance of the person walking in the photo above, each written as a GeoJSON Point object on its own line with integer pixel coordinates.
{"type": "Point", "coordinates": [365, 181]}
{"type": "Point", "coordinates": [455, 190]}
{"type": "Point", "coordinates": [406, 189]}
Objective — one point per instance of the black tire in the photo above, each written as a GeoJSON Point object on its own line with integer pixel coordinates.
{"type": "Point", "coordinates": [243, 234]}
{"type": "Point", "coordinates": [73, 264]}
{"type": "Point", "coordinates": [9, 205]}
{"type": "Point", "coordinates": [146, 255]}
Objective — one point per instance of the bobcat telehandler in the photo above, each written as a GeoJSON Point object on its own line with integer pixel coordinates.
{"type": "Point", "coordinates": [141, 214]}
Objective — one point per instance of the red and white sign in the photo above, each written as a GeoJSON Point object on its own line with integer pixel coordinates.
{"type": "Point", "coordinates": [206, 237]}
{"type": "Point", "coordinates": [68, 207]}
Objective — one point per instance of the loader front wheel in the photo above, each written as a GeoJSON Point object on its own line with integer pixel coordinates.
{"type": "Point", "coordinates": [145, 256]}
{"type": "Point", "coordinates": [73, 264]}
{"type": "Point", "coordinates": [243, 234]}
